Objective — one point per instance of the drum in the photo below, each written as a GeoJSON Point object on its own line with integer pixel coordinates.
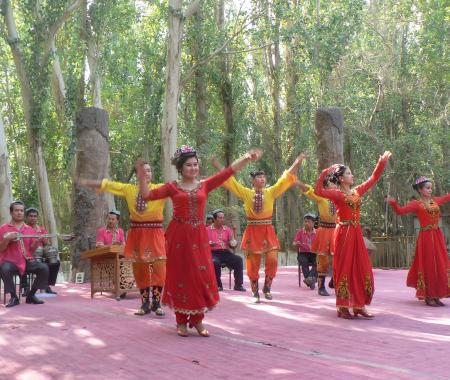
{"type": "Point", "coordinates": [38, 254]}
{"type": "Point", "coordinates": [50, 254]}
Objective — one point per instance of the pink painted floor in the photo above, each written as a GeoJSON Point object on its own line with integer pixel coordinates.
{"type": "Point", "coordinates": [295, 336]}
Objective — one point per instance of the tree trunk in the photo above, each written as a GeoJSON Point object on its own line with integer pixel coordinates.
{"type": "Point", "coordinates": [172, 92]}
{"type": "Point", "coordinates": [89, 208]}
{"type": "Point", "coordinates": [273, 62]}
{"type": "Point", "coordinates": [169, 123]}
{"type": "Point", "coordinates": [201, 110]}
{"type": "Point", "coordinates": [293, 123]}
{"type": "Point", "coordinates": [226, 96]}
{"type": "Point", "coordinates": [330, 134]}
{"type": "Point", "coordinates": [32, 101]}
{"type": "Point", "coordinates": [95, 83]}
{"type": "Point", "coordinates": [58, 86]}
{"type": "Point", "coordinates": [5, 177]}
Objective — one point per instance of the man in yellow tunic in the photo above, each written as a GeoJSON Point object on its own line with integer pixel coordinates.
{"type": "Point", "coordinates": [259, 237]}
{"type": "Point", "coordinates": [145, 244]}
{"type": "Point", "coordinates": [322, 245]}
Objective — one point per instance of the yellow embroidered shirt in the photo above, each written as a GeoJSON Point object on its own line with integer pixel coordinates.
{"type": "Point", "coordinates": [154, 209]}
{"type": "Point", "coordinates": [269, 194]}
{"type": "Point", "coordinates": [327, 211]}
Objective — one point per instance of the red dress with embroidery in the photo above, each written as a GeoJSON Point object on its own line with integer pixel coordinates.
{"type": "Point", "coordinates": [430, 271]}
{"type": "Point", "coordinates": [191, 286]}
{"type": "Point", "coordinates": [352, 268]}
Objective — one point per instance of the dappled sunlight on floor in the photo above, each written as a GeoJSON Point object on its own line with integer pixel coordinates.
{"type": "Point", "coordinates": [74, 337]}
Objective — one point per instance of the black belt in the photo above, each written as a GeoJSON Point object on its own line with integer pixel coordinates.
{"type": "Point", "coordinates": [327, 225]}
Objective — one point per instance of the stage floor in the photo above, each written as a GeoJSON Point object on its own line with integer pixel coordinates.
{"type": "Point", "coordinates": [294, 336]}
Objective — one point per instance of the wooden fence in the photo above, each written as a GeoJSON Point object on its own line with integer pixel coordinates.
{"type": "Point", "coordinates": [393, 251]}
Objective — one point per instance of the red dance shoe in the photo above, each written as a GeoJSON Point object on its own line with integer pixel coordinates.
{"type": "Point", "coordinates": [363, 313]}
{"type": "Point", "coordinates": [344, 313]}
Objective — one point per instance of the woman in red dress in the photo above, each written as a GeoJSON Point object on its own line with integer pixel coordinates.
{"type": "Point", "coordinates": [430, 271]}
{"type": "Point", "coordinates": [191, 287]}
{"type": "Point", "coordinates": [352, 268]}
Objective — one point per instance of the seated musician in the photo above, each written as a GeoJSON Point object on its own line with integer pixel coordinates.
{"type": "Point", "coordinates": [111, 233]}
{"type": "Point", "coordinates": [31, 218]}
{"type": "Point", "coordinates": [221, 240]}
{"type": "Point", "coordinates": [306, 258]}
{"type": "Point", "coordinates": [16, 255]}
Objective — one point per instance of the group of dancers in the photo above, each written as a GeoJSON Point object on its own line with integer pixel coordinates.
{"type": "Point", "coordinates": [180, 259]}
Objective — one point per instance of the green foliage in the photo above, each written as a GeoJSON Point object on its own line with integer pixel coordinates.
{"type": "Point", "coordinates": [385, 64]}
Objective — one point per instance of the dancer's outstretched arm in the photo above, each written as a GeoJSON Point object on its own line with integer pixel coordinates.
{"type": "Point", "coordinates": [296, 164]}
{"type": "Point", "coordinates": [84, 182]}
{"type": "Point", "coordinates": [373, 179]}
{"type": "Point", "coordinates": [252, 155]}
{"type": "Point", "coordinates": [319, 189]}
{"type": "Point", "coordinates": [442, 199]}
{"type": "Point", "coordinates": [287, 179]}
{"type": "Point", "coordinates": [223, 175]}
{"type": "Point", "coordinates": [402, 210]}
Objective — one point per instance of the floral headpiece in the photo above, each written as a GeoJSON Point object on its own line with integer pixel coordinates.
{"type": "Point", "coordinates": [421, 179]}
{"type": "Point", "coordinates": [183, 150]}
{"type": "Point", "coordinates": [337, 169]}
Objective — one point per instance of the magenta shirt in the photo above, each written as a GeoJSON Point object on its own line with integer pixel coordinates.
{"type": "Point", "coordinates": [305, 239]}
{"type": "Point", "coordinates": [13, 252]}
{"type": "Point", "coordinates": [41, 231]}
{"type": "Point", "coordinates": [219, 237]}
{"type": "Point", "coordinates": [105, 236]}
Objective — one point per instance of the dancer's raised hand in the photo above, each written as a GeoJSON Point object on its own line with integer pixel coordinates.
{"type": "Point", "coordinates": [254, 154]}
{"type": "Point", "coordinates": [386, 156]}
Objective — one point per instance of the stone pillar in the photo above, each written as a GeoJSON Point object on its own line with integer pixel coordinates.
{"type": "Point", "coordinates": [89, 207]}
{"type": "Point", "coordinates": [329, 137]}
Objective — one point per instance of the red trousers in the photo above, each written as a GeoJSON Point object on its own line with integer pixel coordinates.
{"type": "Point", "coordinates": [192, 319]}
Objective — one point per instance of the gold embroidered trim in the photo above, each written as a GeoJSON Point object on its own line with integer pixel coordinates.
{"type": "Point", "coordinates": [353, 199]}
{"type": "Point", "coordinates": [420, 282]}
{"type": "Point", "coordinates": [192, 312]}
{"type": "Point", "coordinates": [257, 222]}
{"type": "Point", "coordinates": [368, 286]}
{"type": "Point", "coordinates": [342, 291]}
{"type": "Point", "coordinates": [429, 227]}
{"type": "Point", "coordinates": [349, 222]}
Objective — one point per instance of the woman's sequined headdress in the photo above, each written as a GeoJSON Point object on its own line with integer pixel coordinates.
{"type": "Point", "coordinates": [183, 150]}
{"type": "Point", "coordinates": [421, 179]}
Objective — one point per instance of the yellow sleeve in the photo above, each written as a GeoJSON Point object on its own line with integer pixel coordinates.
{"type": "Point", "coordinates": [310, 194]}
{"type": "Point", "coordinates": [117, 188]}
{"type": "Point", "coordinates": [237, 189]}
{"type": "Point", "coordinates": [283, 183]}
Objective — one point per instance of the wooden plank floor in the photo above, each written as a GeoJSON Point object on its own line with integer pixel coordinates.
{"type": "Point", "coordinates": [294, 336]}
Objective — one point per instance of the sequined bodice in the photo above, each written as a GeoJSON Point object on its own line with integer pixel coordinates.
{"type": "Point", "coordinates": [428, 213]}
{"type": "Point", "coordinates": [349, 209]}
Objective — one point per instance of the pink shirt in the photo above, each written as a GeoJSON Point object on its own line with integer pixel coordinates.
{"type": "Point", "coordinates": [15, 250]}
{"type": "Point", "coordinates": [41, 231]}
{"type": "Point", "coordinates": [305, 239]}
{"type": "Point", "coordinates": [105, 236]}
{"type": "Point", "coordinates": [219, 236]}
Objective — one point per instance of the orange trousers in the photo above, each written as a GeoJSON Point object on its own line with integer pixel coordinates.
{"type": "Point", "coordinates": [253, 262]}
{"type": "Point", "coordinates": [324, 264]}
{"type": "Point", "coordinates": [150, 274]}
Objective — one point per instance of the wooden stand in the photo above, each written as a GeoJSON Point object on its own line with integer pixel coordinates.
{"type": "Point", "coordinates": [110, 272]}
